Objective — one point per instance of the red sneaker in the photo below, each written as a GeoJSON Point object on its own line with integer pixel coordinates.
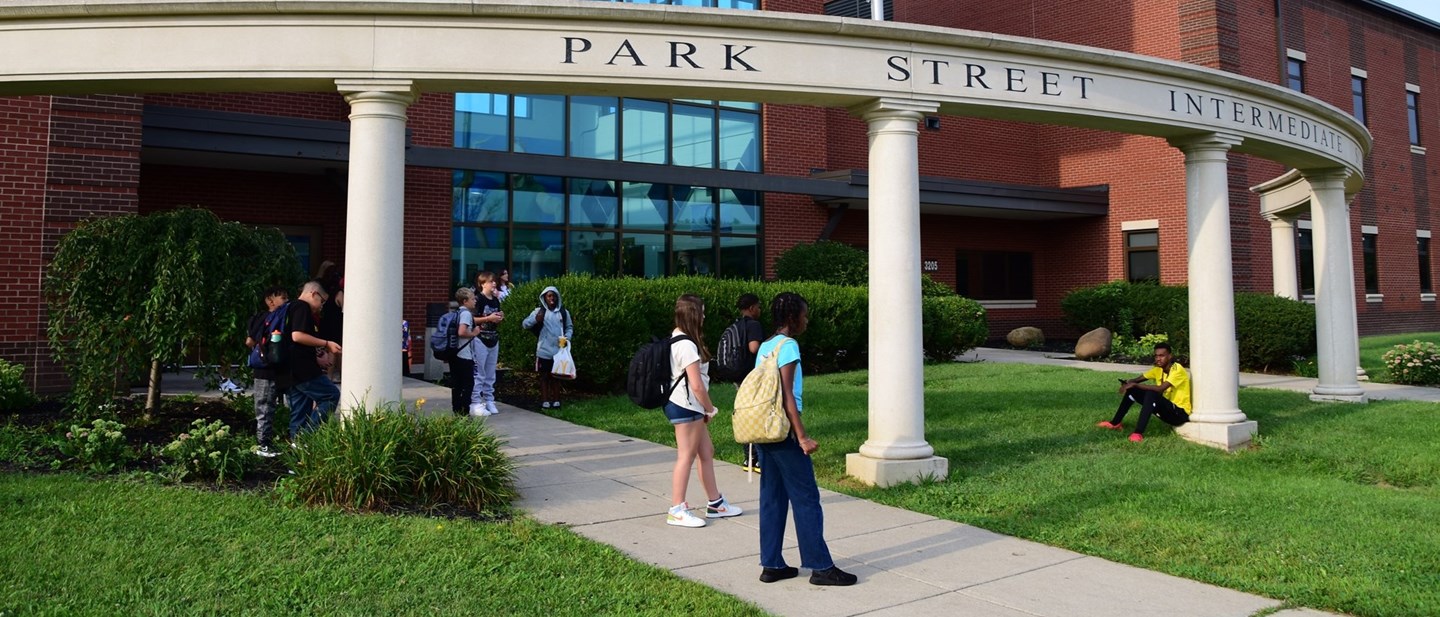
{"type": "Point", "coordinates": [1107, 425]}
{"type": "Point", "coordinates": [1137, 437]}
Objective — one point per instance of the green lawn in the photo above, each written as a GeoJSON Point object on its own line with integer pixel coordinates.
{"type": "Point", "coordinates": [1373, 347]}
{"type": "Point", "coordinates": [1336, 507]}
{"type": "Point", "coordinates": [74, 546]}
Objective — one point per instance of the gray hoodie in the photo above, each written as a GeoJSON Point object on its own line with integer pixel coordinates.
{"type": "Point", "coordinates": [550, 330]}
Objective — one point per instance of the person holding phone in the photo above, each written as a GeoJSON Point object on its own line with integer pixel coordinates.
{"type": "Point", "coordinates": [1164, 390]}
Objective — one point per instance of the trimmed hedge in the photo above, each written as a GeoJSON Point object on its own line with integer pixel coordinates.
{"type": "Point", "coordinates": [825, 261]}
{"type": "Point", "coordinates": [614, 316]}
{"type": "Point", "coordinates": [1272, 331]}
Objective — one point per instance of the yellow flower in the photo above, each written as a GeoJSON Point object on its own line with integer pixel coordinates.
{"type": "Point", "coordinates": [419, 403]}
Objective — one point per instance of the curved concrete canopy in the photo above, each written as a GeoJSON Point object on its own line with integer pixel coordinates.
{"type": "Point", "coordinates": [653, 51]}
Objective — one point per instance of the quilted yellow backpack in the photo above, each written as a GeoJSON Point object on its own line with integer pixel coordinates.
{"type": "Point", "coordinates": [760, 403]}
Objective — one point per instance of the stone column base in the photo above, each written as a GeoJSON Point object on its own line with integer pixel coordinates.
{"type": "Point", "coordinates": [1340, 398]}
{"type": "Point", "coordinates": [1227, 437]}
{"type": "Point", "coordinates": [888, 472]}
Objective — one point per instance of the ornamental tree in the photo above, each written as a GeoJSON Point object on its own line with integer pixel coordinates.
{"type": "Point", "coordinates": [134, 293]}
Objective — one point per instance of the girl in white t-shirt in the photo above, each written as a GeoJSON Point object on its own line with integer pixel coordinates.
{"type": "Point", "coordinates": [690, 410]}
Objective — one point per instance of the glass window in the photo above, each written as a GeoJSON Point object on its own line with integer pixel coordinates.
{"type": "Point", "coordinates": [642, 255]}
{"type": "Point", "coordinates": [739, 141]}
{"type": "Point", "coordinates": [693, 136]}
{"type": "Point", "coordinates": [1295, 74]}
{"type": "Point", "coordinates": [694, 208]}
{"type": "Point", "coordinates": [693, 255]}
{"type": "Point", "coordinates": [482, 121]}
{"type": "Point", "coordinates": [739, 257]}
{"type": "Point", "coordinates": [1422, 246]}
{"type": "Point", "coordinates": [593, 203]}
{"type": "Point", "coordinates": [1142, 256]}
{"type": "Point", "coordinates": [1357, 97]}
{"type": "Point", "coordinates": [539, 199]}
{"type": "Point", "coordinates": [1305, 259]}
{"type": "Point", "coordinates": [646, 131]}
{"type": "Point", "coordinates": [541, 130]}
{"type": "Point", "coordinates": [1412, 105]}
{"type": "Point", "coordinates": [594, 252]}
{"type": "Point", "coordinates": [479, 197]}
{"type": "Point", "coordinates": [741, 105]}
{"type": "Point", "coordinates": [739, 211]}
{"type": "Point", "coordinates": [474, 249]}
{"type": "Point", "coordinates": [1372, 266]}
{"type": "Point", "coordinates": [593, 127]}
{"type": "Point", "coordinates": [994, 275]}
{"type": "Point", "coordinates": [645, 205]}
{"type": "Point", "coordinates": [537, 254]}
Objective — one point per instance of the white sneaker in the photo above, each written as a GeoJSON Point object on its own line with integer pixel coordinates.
{"type": "Point", "coordinates": [490, 407]}
{"type": "Point", "coordinates": [724, 510]}
{"type": "Point", "coordinates": [545, 405]}
{"type": "Point", "coordinates": [680, 516]}
{"type": "Point", "coordinates": [477, 410]}
{"type": "Point", "coordinates": [230, 387]}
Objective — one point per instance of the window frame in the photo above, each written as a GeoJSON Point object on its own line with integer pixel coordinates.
{"type": "Point", "coordinates": [1131, 250]}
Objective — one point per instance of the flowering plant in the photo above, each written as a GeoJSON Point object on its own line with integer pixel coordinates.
{"type": "Point", "coordinates": [100, 447]}
{"type": "Point", "coordinates": [1414, 363]}
{"type": "Point", "coordinates": [209, 452]}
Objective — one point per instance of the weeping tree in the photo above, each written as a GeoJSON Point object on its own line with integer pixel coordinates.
{"type": "Point", "coordinates": [131, 294]}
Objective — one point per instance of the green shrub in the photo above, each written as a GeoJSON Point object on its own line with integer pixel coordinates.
{"type": "Point", "coordinates": [613, 317]}
{"type": "Point", "coordinates": [825, 262]}
{"type": "Point", "coordinates": [1416, 363]}
{"type": "Point", "coordinates": [21, 446]}
{"type": "Point", "coordinates": [1138, 351]}
{"type": "Point", "coordinates": [209, 452]}
{"type": "Point", "coordinates": [13, 392]}
{"type": "Point", "coordinates": [98, 448]}
{"type": "Point", "coordinates": [1273, 331]}
{"type": "Point", "coordinates": [389, 458]}
{"type": "Point", "coordinates": [1102, 306]}
{"type": "Point", "coordinates": [931, 288]}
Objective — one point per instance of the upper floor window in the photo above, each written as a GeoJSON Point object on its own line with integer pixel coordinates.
{"type": "Point", "coordinates": [1412, 112]}
{"type": "Point", "coordinates": [1295, 70]}
{"type": "Point", "coordinates": [1369, 239]}
{"type": "Point", "coordinates": [1422, 248]}
{"type": "Point", "coordinates": [1357, 97]}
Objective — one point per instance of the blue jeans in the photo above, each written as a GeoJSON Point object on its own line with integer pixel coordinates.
{"type": "Point", "coordinates": [787, 481]}
{"type": "Point", "coordinates": [311, 403]}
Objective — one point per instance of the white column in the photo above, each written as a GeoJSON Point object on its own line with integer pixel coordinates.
{"type": "Point", "coordinates": [1282, 256]}
{"type": "Point", "coordinates": [1216, 419]}
{"type": "Point", "coordinates": [896, 450]}
{"type": "Point", "coordinates": [374, 240]}
{"type": "Point", "coordinates": [1335, 324]}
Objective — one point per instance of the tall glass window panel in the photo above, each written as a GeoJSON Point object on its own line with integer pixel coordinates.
{"type": "Point", "coordinates": [741, 105]}
{"type": "Point", "coordinates": [1357, 97]}
{"type": "Point", "coordinates": [646, 131]}
{"type": "Point", "coordinates": [594, 252]}
{"type": "Point", "coordinates": [1368, 246]}
{"type": "Point", "coordinates": [692, 136]}
{"type": "Point", "coordinates": [1412, 105]}
{"type": "Point", "coordinates": [541, 129]}
{"type": "Point", "coordinates": [538, 253]}
{"type": "Point", "coordinates": [593, 203]}
{"type": "Point", "coordinates": [692, 255]}
{"type": "Point", "coordinates": [539, 200]}
{"type": "Point", "coordinates": [593, 125]}
{"type": "Point", "coordinates": [739, 141]}
{"type": "Point", "coordinates": [473, 249]}
{"type": "Point", "coordinates": [739, 257]}
{"type": "Point", "coordinates": [1422, 247]}
{"type": "Point", "coordinates": [739, 211]}
{"type": "Point", "coordinates": [1305, 260]}
{"type": "Point", "coordinates": [694, 208]}
{"type": "Point", "coordinates": [645, 206]}
{"type": "Point", "coordinates": [479, 197]}
{"type": "Point", "coordinates": [1142, 256]}
{"type": "Point", "coordinates": [642, 255]}
{"type": "Point", "coordinates": [482, 121]}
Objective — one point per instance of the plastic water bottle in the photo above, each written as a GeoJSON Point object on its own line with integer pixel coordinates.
{"type": "Point", "coordinates": [275, 336]}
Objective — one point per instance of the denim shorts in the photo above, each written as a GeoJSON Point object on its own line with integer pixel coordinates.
{"type": "Point", "coordinates": [681, 415]}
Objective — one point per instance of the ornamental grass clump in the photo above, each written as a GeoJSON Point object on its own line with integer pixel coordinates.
{"type": "Point", "coordinates": [209, 452]}
{"type": "Point", "coordinates": [1416, 363]}
{"type": "Point", "coordinates": [388, 458]}
{"type": "Point", "coordinates": [98, 448]}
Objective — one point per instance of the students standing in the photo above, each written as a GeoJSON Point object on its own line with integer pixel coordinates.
{"type": "Point", "coordinates": [462, 366]}
{"type": "Point", "coordinates": [689, 410]}
{"type": "Point", "coordinates": [486, 348]}
{"type": "Point", "coordinates": [552, 324]}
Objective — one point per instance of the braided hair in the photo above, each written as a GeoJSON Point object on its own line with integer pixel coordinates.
{"type": "Point", "coordinates": [786, 309]}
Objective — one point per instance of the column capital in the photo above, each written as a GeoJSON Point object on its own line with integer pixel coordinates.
{"type": "Point", "coordinates": [1328, 178]}
{"type": "Point", "coordinates": [1206, 142]}
{"type": "Point", "coordinates": [1281, 220]}
{"type": "Point", "coordinates": [895, 108]}
{"type": "Point", "coordinates": [397, 90]}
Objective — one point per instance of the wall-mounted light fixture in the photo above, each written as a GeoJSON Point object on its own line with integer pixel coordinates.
{"type": "Point", "coordinates": [932, 123]}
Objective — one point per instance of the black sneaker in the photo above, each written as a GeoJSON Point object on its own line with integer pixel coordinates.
{"type": "Point", "coordinates": [833, 576]}
{"type": "Point", "coordinates": [770, 575]}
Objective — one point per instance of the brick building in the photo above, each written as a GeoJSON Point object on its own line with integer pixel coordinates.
{"type": "Point", "coordinates": [1014, 214]}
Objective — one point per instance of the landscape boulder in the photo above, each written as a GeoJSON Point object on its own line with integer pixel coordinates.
{"type": "Point", "coordinates": [1094, 344]}
{"type": "Point", "coordinates": [1025, 338]}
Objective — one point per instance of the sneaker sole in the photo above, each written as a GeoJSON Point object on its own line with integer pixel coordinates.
{"type": "Point", "coordinates": [682, 523]}
{"type": "Point", "coordinates": [724, 514]}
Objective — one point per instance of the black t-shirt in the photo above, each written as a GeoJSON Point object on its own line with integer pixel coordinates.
{"type": "Point", "coordinates": [489, 331]}
{"type": "Point", "coordinates": [753, 332]}
{"type": "Point", "coordinates": [303, 367]}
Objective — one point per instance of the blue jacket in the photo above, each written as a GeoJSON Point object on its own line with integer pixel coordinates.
{"type": "Point", "coordinates": [550, 330]}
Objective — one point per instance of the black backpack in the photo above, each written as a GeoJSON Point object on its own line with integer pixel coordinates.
{"type": "Point", "coordinates": [732, 354]}
{"type": "Point", "coordinates": [648, 380]}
